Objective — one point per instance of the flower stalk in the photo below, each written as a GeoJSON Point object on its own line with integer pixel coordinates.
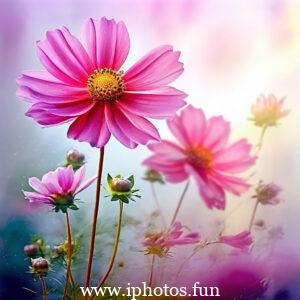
{"type": "Point", "coordinates": [95, 217]}
{"type": "Point", "coordinates": [115, 249]}
{"type": "Point", "coordinates": [180, 201]}
{"type": "Point", "coordinates": [69, 255]}
{"type": "Point", "coordinates": [151, 271]}
{"type": "Point", "coordinates": [44, 289]}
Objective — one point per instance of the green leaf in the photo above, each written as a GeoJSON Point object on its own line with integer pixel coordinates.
{"type": "Point", "coordinates": [109, 178]}
{"type": "Point", "coordinates": [124, 198]}
{"type": "Point", "coordinates": [131, 179]}
{"type": "Point", "coordinates": [115, 198]}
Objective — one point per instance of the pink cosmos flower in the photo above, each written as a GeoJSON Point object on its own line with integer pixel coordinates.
{"type": "Point", "coordinates": [83, 83]}
{"type": "Point", "coordinates": [203, 152]}
{"type": "Point", "coordinates": [159, 243]}
{"type": "Point", "coordinates": [59, 187]}
{"type": "Point", "coordinates": [268, 110]}
{"type": "Point", "coordinates": [243, 240]}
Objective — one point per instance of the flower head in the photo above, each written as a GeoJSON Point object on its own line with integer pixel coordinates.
{"type": "Point", "coordinates": [58, 188]}
{"type": "Point", "coordinates": [203, 152]}
{"type": "Point", "coordinates": [267, 193]}
{"type": "Point", "coordinates": [153, 176]}
{"type": "Point", "coordinates": [267, 111]}
{"type": "Point", "coordinates": [83, 83]}
{"type": "Point", "coordinates": [159, 243]}
{"type": "Point", "coordinates": [75, 159]}
{"type": "Point", "coordinates": [121, 189]}
{"type": "Point", "coordinates": [243, 240]}
{"type": "Point", "coordinates": [40, 266]}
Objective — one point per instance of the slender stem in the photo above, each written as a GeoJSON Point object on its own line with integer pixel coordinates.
{"type": "Point", "coordinates": [261, 139]}
{"type": "Point", "coordinates": [151, 271]}
{"type": "Point", "coordinates": [180, 201]}
{"type": "Point", "coordinates": [44, 289]}
{"type": "Point", "coordinates": [158, 205]}
{"type": "Point", "coordinates": [115, 249]}
{"type": "Point", "coordinates": [95, 217]}
{"type": "Point", "coordinates": [253, 215]}
{"type": "Point", "coordinates": [69, 254]}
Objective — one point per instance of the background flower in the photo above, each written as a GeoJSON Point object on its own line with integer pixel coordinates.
{"type": "Point", "coordinates": [203, 152]}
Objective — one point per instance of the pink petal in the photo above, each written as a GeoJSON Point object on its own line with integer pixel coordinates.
{"type": "Point", "coordinates": [67, 109]}
{"type": "Point", "coordinates": [157, 68]}
{"type": "Point", "coordinates": [91, 127]}
{"type": "Point", "coordinates": [45, 118]}
{"type": "Point", "coordinates": [38, 186]}
{"type": "Point", "coordinates": [216, 134]}
{"type": "Point", "coordinates": [189, 126]}
{"type": "Point", "coordinates": [137, 128]}
{"type": "Point", "coordinates": [167, 150]}
{"type": "Point", "coordinates": [107, 42]}
{"type": "Point", "coordinates": [64, 57]}
{"type": "Point", "coordinates": [65, 178]}
{"type": "Point", "coordinates": [78, 178]}
{"type": "Point", "coordinates": [212, 194]}
{"type": "Point", "coordinates": [232, 184]}
{"type": "Point", "coordinates": [51, 181]}
{"type": "Point", "coordinates": [158, 104]}
{"type": "Point", "coordinates": [235, 158]}
{"type": "Point", "coordinates": [41, 86]}
{"type": "Point", "coordinates": [37, 198]}
{"type": "Point", "coordinates": [86, 184]}
{"type": "Point", "coordinates": [115, 129]}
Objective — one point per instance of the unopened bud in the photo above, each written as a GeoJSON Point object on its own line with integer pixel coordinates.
{"type": "Point", "coordinates": [40, 266]}
{"type": "Point", "coordinates": [75, 156]}
{"type": "Point", "coordinates": [31, 250]}
{"type": "Point", "coordinates": [121, 185]}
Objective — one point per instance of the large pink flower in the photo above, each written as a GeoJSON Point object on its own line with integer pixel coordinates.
{"type": "Point", "coordinates": [203, 152]}
{"type": "Point", "coordinates": [59, 187]}
{"type": "Point", "coordinates": [84, 84]}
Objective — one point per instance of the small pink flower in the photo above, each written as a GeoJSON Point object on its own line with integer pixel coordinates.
{"type": "Point", "coordinates": [242, 240]}
{"type": "Point", "coordinates": [203, 152]}
{"type": "Point", "coordinates": [268, 110]}
{"type": "Point", "coordinates": [83, 83]}
{"type": "Point", "coordinates": [159, 243]}
{"type": "Point", "coordinates": [267, 193]}
{"type": "Point", "coordinates": [58, 188]}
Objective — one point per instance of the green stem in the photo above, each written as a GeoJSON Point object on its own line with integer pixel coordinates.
{"type": "Point", "coordinates": [180, 202]}
{"type": "Point", "coordinates": [151, 271]}
{"type": "Point", "coordinates": [69, 254]}
{"type": "Point", "coordinates": [115, 249]}
{"type": "Point", "coordinates": [158, 205]}
{"type": "Point", "coordinates": [253, 215]}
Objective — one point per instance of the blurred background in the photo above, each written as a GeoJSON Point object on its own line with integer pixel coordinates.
{"type": "Point", "coordinates": [232, 51]}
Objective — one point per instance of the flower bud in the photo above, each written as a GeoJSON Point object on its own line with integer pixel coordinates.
{"type": "Point", "coordinates": [40, 266]}
{"type": "Point", "coordinates": [75, 156]}
{"type": "Point", "coordinates": [31, 250]}
{"type": "Point", "coordinates": [121, 185]}
{"type": "Point", "coordinates": [153, 176]}
{"type": "Point", "coordinates": [267, 193]}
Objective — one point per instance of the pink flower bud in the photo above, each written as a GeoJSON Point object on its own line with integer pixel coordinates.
{"type": "Point", "coordinates": [121, 185]}
{"type": "Point", "coordinates": [31, 250]}
{"type": "Point", "coordinates": [40, 266]}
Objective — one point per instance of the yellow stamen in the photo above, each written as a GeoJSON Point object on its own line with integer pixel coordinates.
{"type": "Point", "coordinates": [200, 157]}
{"type": "Point", "coordinates": [105, 85]}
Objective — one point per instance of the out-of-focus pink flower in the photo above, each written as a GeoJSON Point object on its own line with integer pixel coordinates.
{"type": "Point", "coordinates": [84, 84]}
{"type": "Point", "coordinates": [243, 240]}
{"type": "Point", "coordinates": [268, 110]}
{"type": "Point", "coordinates": [203, 152]}
{"type": "Point", "coordinates": [59, 187]}
{"type": "Point", "coordinates": [267, 193]}
{"type": "Point", "coordinates": [159, 243]}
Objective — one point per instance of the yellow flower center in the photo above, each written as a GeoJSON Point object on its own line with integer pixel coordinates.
{"type": "Point", "coordinates": [105, 85]}
{"type": "Point", "coordinates": [267, 116]}
{"type": "Point", "coordinates": [200, 157]}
